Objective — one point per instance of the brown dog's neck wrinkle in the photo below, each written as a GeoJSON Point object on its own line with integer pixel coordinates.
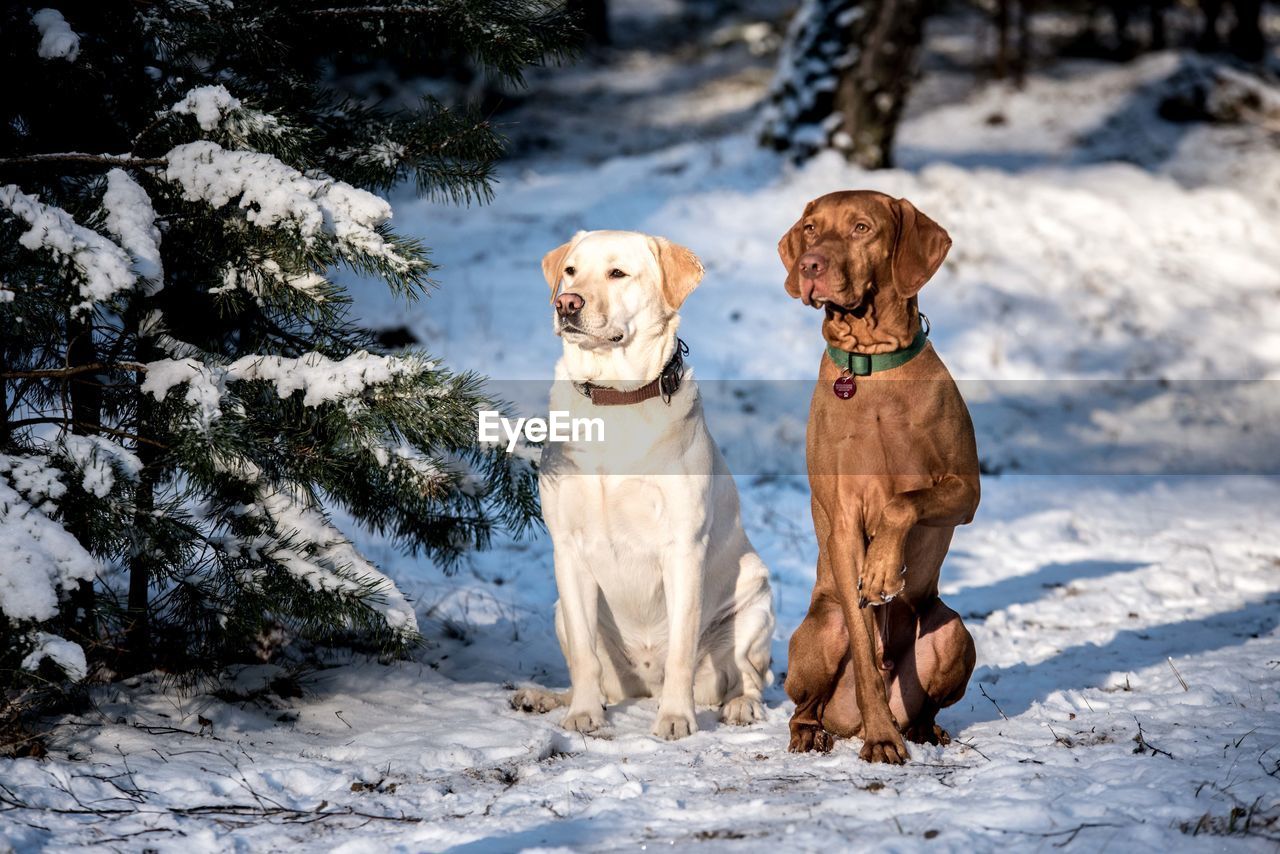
{"type": "Point", "coordinates": [886, 327]}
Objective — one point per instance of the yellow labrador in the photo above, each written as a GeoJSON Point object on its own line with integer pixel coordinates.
{"type": "Point", "coordinates": [661, 592]}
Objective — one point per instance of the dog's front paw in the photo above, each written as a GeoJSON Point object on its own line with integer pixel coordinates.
{"type": "Point", "coordinates": [883, 574]}
{"type": "Point", "coordinates": [589, 720]}
{"type": "Point", "coordinates": [673, 725]}
{"type": "Point", "coordinates": [537, 700]}
{"type": "Point", "coordinates": [742, 711]}
{"type": "Point", "coordinates": [888, 749]}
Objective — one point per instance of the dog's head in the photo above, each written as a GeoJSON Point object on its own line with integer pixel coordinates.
{"type": "Point", "coordinates": [606, 285]}
{"type": "Point", "coordinates": [853, 248]}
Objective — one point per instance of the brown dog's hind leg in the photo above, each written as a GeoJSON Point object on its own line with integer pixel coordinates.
{"type": "Point", "coordinates": [817, 652]}
{"type": "Point", "coordinates": [925, 730]}
{"type": "Point", "coordinates": [944, 658]}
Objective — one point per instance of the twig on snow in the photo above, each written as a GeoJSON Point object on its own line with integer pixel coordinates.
{"type": "Point", "coordinates": [1069, 832]}
{"type": "Point", "coordinates": [1143, 744]}
{"type": "Point", "coordinates": [993, 702]}
{"type": "Point", "coordinates": [971, 746]}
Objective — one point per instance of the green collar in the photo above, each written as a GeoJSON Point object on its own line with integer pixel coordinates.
{"type": "Point", "coordinates": [863, 364]}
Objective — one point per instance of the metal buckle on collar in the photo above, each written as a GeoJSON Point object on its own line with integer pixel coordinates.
{"type": "Point", "coordinates": [669, 379]}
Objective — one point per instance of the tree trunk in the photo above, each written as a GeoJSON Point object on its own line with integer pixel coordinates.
{"type": "Point", "coordinates": [592, 17]}
{"type": "Point", "coordinates": [844, 77]}
{"type": "Point", "coordinates": [1013, 18]}
{"type": "Point", "coordinates": [137, 636]}
{"type": "Point", "coordinates": [1022, 59]}
{"type": "Point", "coordinates": [85, 397]}
{"type": "Point", "coordinates": [1246, 40]}
{"type": "Point", "coordinates": [1002, 38]}
{"type": "Point", "coordinates": [1212, 11]}
{"type": "Point", "coordinates": [1159, 33]}
{"type": "Point", "coordinates": [5, 640]}
{"type": "Point", "coordinates": [872, 92]}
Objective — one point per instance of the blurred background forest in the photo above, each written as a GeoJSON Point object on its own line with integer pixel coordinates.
{"type": "Point", "coordinates": [790, 67]}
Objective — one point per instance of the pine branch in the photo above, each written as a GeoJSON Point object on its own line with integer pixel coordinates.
{"type": "Point", "coordinates": [51, 373]}
{"type": "Point", "coordinates": [124, 160]}
{"type": "Point", "coordinates": [99, 428]}
{"type": "Point", "coordinates": [373, 11]}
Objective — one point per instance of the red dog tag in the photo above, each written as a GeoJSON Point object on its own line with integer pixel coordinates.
{"type": "Point", "coordinates": [844, 387]}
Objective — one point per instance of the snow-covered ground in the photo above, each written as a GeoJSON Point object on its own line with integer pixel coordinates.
{"type": "Point", "coordinates": [1115, 326]}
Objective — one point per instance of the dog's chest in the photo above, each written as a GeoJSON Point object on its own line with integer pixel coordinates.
{"type": "Point", "coordinates": [615, 525]}
{"type": "Point", "coordinates": [615, 518]}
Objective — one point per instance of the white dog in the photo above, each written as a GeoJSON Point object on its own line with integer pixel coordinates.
{"type": "Point", "coordinates": [661, 592]}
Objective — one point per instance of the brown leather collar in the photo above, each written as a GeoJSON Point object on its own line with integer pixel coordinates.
{"type": "Point", "coordinates": [666, 384]}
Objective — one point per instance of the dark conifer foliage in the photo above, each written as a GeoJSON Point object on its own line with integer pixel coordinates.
{"type": "Point", "coordinates": [185, 395]}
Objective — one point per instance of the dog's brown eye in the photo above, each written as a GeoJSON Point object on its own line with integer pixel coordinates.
{"type": "Point", "coordinates": [862, 228]}
{"type": "Point", "coordinates": [808, 228]}
{"type": "Point", "coordinates": [617, 274]}
{"type": "Point", "coordinates": [569, 271]}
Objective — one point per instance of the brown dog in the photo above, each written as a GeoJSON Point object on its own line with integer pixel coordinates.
{"type": "Point", "coordinates": [893, 468]}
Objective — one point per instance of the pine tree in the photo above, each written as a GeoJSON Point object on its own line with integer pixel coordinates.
{"type": "Point", "coordinates": [843, 78]}
{"type": "Point", "coordinates": [185, 394]}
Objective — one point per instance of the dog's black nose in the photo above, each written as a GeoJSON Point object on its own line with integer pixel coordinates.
{"type": "Point", "coordinates": [812, 265]}
{"type": "Point", "coordinates": [569, 304]}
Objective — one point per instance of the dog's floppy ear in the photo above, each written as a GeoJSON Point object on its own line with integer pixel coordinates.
{"type": "Point", "coordinates": [681, 270]}
{"type": "Point", "coordinates": [920, 250]}
{"type": "Point", "coordinates": [553, 263]}
{"type": "Point", "coordinates": [791, 245]}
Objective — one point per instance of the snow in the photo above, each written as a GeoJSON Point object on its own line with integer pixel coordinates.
{"type": "Point", "coordinates": [99, 459]}
{"type": "Point", "coordinates": [258, 280]}
{"type": "Point", "coordinates": [40, 557]}
{"type": "Point", "coordinates": [64, 653]}
{"type": "Point", "coordinates": [274, 194]}
{"type": "Point", "coordinates": [319, 378]}
{"type": "Point", "coordinates": [57, 39]}
{"type": "Point", "coordinates": [216, 109]}
{"type": "Point", "coordinates": [322, 556]}
{"type": "Point", "coordinates": [205, 384]}
{"type": "Point", "coordinates": [308, 546]}
{"type": "Point", "coordinates": [1114, 328]}
{"type": "Point", "coordinates": [102, 269]}
{"type": "Point", "coordinates": [132, 219]}
{"type": "Point", "coordinates": [208, 104]}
